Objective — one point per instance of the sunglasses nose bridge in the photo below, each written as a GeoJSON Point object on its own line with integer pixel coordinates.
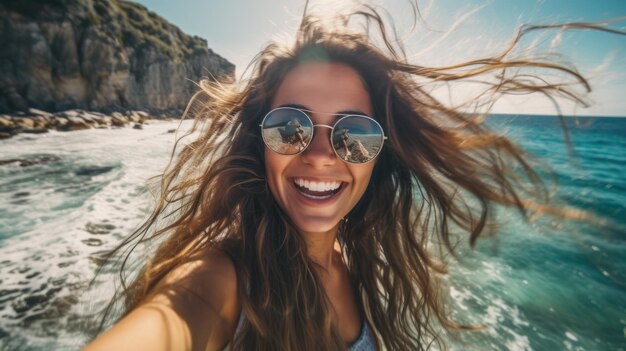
{"type": "Point", "coordinates": [323, 125]}
{"type": "Point", "coordinates": [325, 136]}
{"type": "Point", "coordinates": [320, 143]}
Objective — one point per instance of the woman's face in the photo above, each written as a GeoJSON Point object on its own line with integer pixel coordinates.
{"type": "Point", "coordinates": [325, 89]}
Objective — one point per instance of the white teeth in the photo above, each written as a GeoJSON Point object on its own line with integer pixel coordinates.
{"type": "Point", "coordinates": [317, 186]}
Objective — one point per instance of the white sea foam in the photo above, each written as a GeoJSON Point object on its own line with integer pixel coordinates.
{"type": "Point", "coordinates": [478, 291]}
{"type": "Point", "coordinates": [518, 343]}
{"type": "Point", "coordinates": [61, 226]}
{"type": "Point", "coordinates": [571, 336]}
{"type": "Point", "coordinates": [460, 297]}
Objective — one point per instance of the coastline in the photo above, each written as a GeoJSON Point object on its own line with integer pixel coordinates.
{"type": "Point", "coordinates": [36, 121]}
{"type": "Point", "coordinates": [546, 286]}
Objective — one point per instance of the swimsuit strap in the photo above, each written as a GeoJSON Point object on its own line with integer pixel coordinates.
{"type": "Point", "coordinates": [365, 341]}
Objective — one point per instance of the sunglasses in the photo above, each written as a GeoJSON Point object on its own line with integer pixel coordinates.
{"type": "Point", "coordinates": [355, 139]}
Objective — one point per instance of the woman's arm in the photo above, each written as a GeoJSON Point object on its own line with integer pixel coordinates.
{"type": "Point", "coordinates": [195, 307]}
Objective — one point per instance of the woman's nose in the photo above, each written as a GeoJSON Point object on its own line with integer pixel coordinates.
{"type": "Point", "coordinates": [320, 152]}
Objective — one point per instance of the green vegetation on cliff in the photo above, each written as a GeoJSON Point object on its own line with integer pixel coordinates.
{"type": "Point", "coordinates": [130, 23]}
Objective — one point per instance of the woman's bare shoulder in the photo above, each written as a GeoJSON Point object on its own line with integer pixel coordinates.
{"type": "Point", "coordinates": [208, 272]}
{"type": "Point", "coordinates": [209, 276]}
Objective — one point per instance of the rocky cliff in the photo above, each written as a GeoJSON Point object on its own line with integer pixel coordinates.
{"type": "Point", "coordinates": [102, 55]}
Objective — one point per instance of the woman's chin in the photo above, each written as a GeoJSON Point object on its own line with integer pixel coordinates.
{"type": "Point", "coordinates": [316, 225]}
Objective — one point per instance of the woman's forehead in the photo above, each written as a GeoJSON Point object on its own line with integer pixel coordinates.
{"type": "Point", "coordinates": [324, 87]}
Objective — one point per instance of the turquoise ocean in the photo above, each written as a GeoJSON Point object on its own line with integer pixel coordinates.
{"type": "Point", "coordinates": [548, 284]}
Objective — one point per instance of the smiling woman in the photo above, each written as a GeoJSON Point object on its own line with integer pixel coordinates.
{"type": "Point", "coordinates": [315, 188]}
{"type": "Point", "coordinates": [312, 208]}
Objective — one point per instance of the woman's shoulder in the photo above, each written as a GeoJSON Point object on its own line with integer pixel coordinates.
{"type": "Point", "coordinates": [209, 260]}
{"type": "Point", "coordinates": [210, 274]}
{"type": "Point", "coordinates": [204, 286]}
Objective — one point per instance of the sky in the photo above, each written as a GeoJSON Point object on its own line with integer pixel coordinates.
{"type": "Point", "coordinates": [451, 31]}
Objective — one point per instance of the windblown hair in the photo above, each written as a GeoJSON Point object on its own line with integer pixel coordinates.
{"type": "Point", "coordinates": [439, 175]}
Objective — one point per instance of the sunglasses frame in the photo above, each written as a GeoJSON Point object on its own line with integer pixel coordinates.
{"type": "Point", "coordinates": [332, 128]}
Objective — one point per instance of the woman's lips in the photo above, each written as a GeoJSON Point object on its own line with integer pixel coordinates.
{"type": "Point", "coordinates": [317, 185]}
{"type": "Point", "coordinates": [317, 190]}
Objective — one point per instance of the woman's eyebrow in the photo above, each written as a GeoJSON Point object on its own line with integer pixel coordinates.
{"type": "Point", "coordinates": [298, 106]}
{"type": "Point", "coordinates": [339, 113]}
{"type": "Point", "coordinates": [352, 112]}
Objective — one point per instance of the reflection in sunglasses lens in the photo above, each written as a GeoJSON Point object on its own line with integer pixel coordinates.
{"type": "Point", "coordinates": [357, 139]}
{"type": "Point", "coordinates": [287, 131]}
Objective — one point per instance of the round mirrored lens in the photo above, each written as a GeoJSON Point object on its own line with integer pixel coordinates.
{"type": "Point", "coordinates": [286, 131]}
{"type": "Point", "coordinates": [357, 139]}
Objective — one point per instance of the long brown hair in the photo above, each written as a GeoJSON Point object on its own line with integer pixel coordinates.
{"type": "Point", "coordinates": [440, 174]}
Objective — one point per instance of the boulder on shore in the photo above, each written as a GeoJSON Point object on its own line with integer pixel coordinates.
{"type": "Point", "coordinates": [69, 120]}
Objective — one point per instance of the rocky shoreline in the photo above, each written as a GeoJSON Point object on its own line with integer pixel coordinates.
{"type": "Point", "coordinates": [36, 121]}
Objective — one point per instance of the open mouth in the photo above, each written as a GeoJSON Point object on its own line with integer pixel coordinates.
{"type": "Point", "coordinates": [317, 190]}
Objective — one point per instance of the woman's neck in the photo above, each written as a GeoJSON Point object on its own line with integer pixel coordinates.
{"type": "Point", "coordinates": [322, 247]}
